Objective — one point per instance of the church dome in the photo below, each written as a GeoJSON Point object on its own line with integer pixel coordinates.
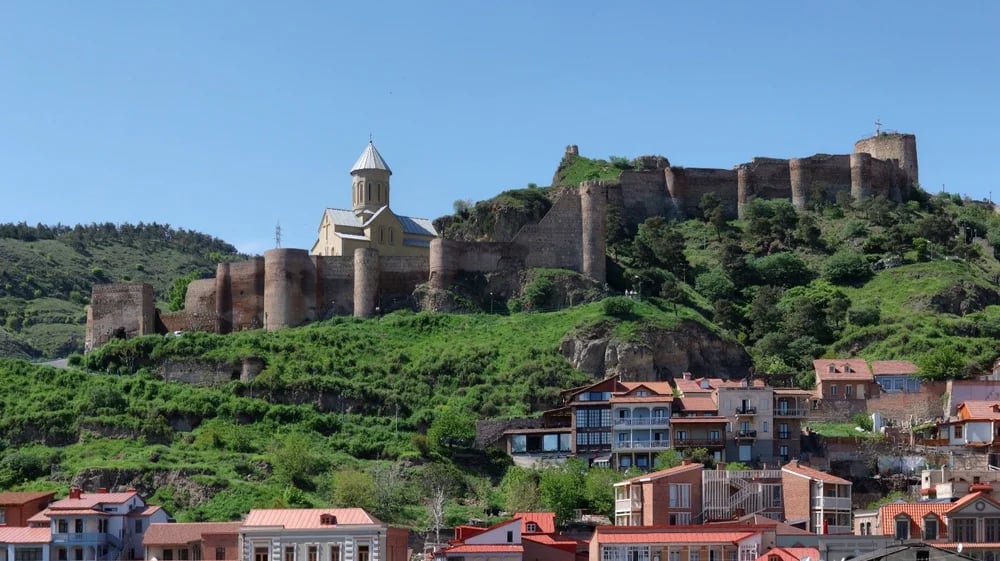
{"type": "Point", "coordinates": [370, 159]}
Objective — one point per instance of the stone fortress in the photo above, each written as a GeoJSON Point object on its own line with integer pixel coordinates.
{"type": "Point", "coordinates": [369, 260]}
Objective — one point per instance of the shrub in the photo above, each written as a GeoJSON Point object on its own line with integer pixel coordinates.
{"type": "Point", "coordinates": [863, 315]}
{"type": "Point", "coordinates": [846, 267]}
{"type": "Point", "coordinates": [618, 306]}
{"type": "Point", "coordinates": [714, 285]}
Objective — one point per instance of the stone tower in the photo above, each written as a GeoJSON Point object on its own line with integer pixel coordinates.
{"type": "Point", "coordinates": [370, 185]}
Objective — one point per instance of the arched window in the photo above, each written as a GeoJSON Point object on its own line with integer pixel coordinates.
{"type": "Point", "coordinates": [902, 527]}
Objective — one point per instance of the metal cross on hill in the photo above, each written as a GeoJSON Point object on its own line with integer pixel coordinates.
{"type": "Point", "coordinates": [878, 127]}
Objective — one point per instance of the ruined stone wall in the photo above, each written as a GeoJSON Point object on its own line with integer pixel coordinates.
{"type": "Point", "coordinates": [836, 411]}
{"type": "Point", "coordinates": [123, 308]}
{"type": "Point", "coordinates": [449, 257]}
{"type": "Point", "coordinates": [245, 287]}
{"type": "Point", "coordinates": [910, 408]}
{"type": "Point", "coordinates": [335, 285]}
{"type": "Point", "coordinates": [200, 299]}
{"type": "Point", "coordinates": [200, 372]}
{"type": "Point", "coordinates": [688, 185]}
{"type": "Point", "coordinates": [765, 178]}
{"type": "Point", "coordinates": [889, 181]}
{"type": "Point", "coordinates": [901, 148]}
{"type": "Point", "coordinates": [397, 278]}
{"type": "Point", "coordinates": [644, 194]}
{"type": "Point", "coordinates": [554, 241]}
{"type": "Point", "coordinates": [188, 321]}
{"type": "Point", "coordinates": [289, 288]}
{"type": "Point", "coordinates": [594, 211]}
{"type": "Point", "coordinates": [819, 178]}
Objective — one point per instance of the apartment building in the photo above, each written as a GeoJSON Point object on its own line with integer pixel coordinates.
{"type": "Point", "coordinates": [717, 542]}
{"type": "Point", "coordinates": [195, 541]}
{"type": "Point", "coordinates": [820, 501]}
{"type": "Point", "coordinates": [666, 497]}
{"type": "Point", "coordinates": [641, 423]}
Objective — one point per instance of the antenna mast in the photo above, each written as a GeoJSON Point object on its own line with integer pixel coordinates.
{"type": "Point", "coordinates": [277, 235]}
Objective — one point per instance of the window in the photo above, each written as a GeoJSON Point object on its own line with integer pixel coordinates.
{"type": "Point", "coordinates": [680, 495]}
{"type": "Point", "coordinates": [335, 553]}
{"type": "Point", "coordinates": [364, 553]}
{"type": "Point", "coordinates": [220, 553]}
{"type": "Point", "coordinates": [681, 435]}
{"type": "Point", "coordinates": [625, 462]}
{"type": "Point", "coordinates": [138, 526]}
{"type": "Point", "coordinates": [868, 528]}
{"type": "Point", "coordinates": [62, 526]}
{"type": "Point", "coordinates": [313, 553]}
{"type": "Point", "coordinates": [783, 452]}
{"type": "Point", "coordinates": [833, 389]}
{"type": "Point", "coordinates": [991, 527]}
{"type": "Point", "coordinates": [531, 527]}
{"type": "Point", "coordinates": [848, 390]}
{"type": "Point", "coordinates": [260, 554]}
{"type": "Point", "coordinates": [28, 554]}
{"type": "Point", "coordinates": [290, 553]}
{"type": "Point", "coordinates": [930, 528]}
{"type": "Point", "coordinates": [764, 428]}
{"type": "Point", "coordinates": [694, 555]}
{"type": "Point", "coordinates": [642, 462]}
{"type": "Point", "coordinates": [783, 430]}
{"type": "Point", "coordinates": [902, 527]}
{"type": "Point", "coordinates": [680, 519]}
{"type": "Point", "coordinates": [78, 554]}
{"type": "Point", "coordinates": [3, 516]}
{"type": "Point", "coordinates": [965, 530]}
{"type": "Point", "coordinates": [168, 555]}
{"type": "Point", "coordinates": [714, 435]}
{"type": "Point", "coordinates": [510, 536]}
{"type": "Point", "coordinates": [182, 554]}
{"type": "Point", "coordinates": [958, 431]}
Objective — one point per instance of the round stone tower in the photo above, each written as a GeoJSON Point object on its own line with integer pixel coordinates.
{"type": "Point", "coordinates": [365, 281]}
{"type": "Point", "coordinates": [798, 169]}
{"type": "Point", "coordinates": [223, 299]}
{"type": "Point", "coordinates": [594, 220]}
{"type": "Point", "coordinates": [744, 189]}
{"type": "Point", "coordinates": [861, 176]}
{"type": "Point", "coordinates": [289, 287]}
{"type": "Point", "coordinates": [370, 184]}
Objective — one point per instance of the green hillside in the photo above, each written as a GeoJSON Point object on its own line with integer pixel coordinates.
{"type": "Point", "coordinates": [47, 272]}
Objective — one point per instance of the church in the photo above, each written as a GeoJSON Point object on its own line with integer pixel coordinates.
{"type": "Point", "coordinates": [371, 223]}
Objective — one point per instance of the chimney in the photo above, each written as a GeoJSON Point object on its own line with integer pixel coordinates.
{"type": "Point", "coordinates": [686, 375]}
{"type": "Point", "coordinates": [74, 492]}
{"type": "Point", "coordinates": [102, 489]}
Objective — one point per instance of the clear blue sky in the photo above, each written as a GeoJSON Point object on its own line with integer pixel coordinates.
{"type": "Point", "coordinates": [228, 117]}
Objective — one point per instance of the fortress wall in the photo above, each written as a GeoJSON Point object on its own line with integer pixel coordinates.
{"type": "Point", "coordinates": [644, 194]}
{"type": "Point", "coordinates": [188, 321]}
{"type": "Point", "coordinates": [894, 146]}
{"type": "Point", "coordinates": [398, 276]}
{"type": "Point", "coordinates": [365, 281]}
{"type": "Point", "coordinates": [888, 180]}
{"type": "Point", "coordinates": [114, 307]}
{"type": "Point", "coordinates": [698, 182]}
{"type": "Point", "coordinates": [448, 257]}
{"type": "Point", "coordinates": [766, 178]}
{"type": "Point", "coordinates": [594, 212]}
{"type": "Point", "coordinates": [334, 285]}
{"type": "Point", "coordinates": [246, 287]}
{"type": "Point", "coordinates": [555, 239]}
{"type": "Point", "coordinates": [861, 176]}
{"type": "Point", "coordinates": [819, 178]}
{"type": "Point", "coordinates": [199, 306]}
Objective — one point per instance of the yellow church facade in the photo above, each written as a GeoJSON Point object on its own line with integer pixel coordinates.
{"type": "Point", "coordinates": [371, 223]}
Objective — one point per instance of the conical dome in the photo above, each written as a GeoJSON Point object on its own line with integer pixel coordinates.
{"type": "Point", "coordinates": [370, 159]}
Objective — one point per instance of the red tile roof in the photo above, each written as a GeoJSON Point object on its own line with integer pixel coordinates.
{"type": "Point", "coordinates": [23, 534]}
{"type": "Point", "coordinates": [185, 533]}
{"type": "Point", "coordinates": [546, 521]}
{"type": "Point", "coordinates": [885, 367]}
{"type": "Point", "coordinates": [485, 548]}
{"type": "Point", "coordinates": [791, 553]}
{"type": "Point", "coordinates": [92, 500]}
{"type": "Point", "coordinates": [960, 504]}
{"type": "Point", "coordinates": [986, 410]}
{"type": "Point", "coordinates": [549, 539]}
{"type": "Point", "coordinates": [662, 388]}
{"type": "Point", "coordinates": [843, 369]}
{"type": "Point", "coordinates": [698, 403]}
{"type": "Point", "coordinates": [635, 535]}
{"type": "Point", "coordinates": [916, 512]}
{"type": "Point", "coordinates": [715, 419]}
{"type": "Point", "coordinates": [662, 473]}
{"type": "Point", "coordinates": [794, 467]}
{"type": "Point", "coordinates": [307, 518]}
{"type": "Point", "coordinates": [14, 498]}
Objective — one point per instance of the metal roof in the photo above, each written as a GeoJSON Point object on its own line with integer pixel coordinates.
{"type": "Point", "coordinates": [370, 159]}
{"type": "Point", "coordinates": [418, 226]}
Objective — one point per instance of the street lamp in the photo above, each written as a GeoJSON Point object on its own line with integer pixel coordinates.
{"type": "Point", "coordinates": [491, 302]}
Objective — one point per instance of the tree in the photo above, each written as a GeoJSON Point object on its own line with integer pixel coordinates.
{"type": "Point", "coordinates": [599, 490]}
{"type": "Point", "coordinates": [672, 292]}
{"type": "Point", "coordinates": [847, 268]}
{"type": "Point", "coordinates": [353, 488]}
{"type": "Point", "coordinates": [667, 459]}
{"type": "Point", "coordinates": [659, 244]}
{"type": "Point", "coordinates": [714, 213]}
{"type": "Point", "coordinates": [519, 490]}
{"type": "Point", "coordinates": [714, 285]}
{"type": "Point", "coordinates": [439, 483]}
{"type": "Point", "coordinates": [562, 488]}
{"type": "Point", "coordinates": [451, 428]}
{"type": "Point", "coordinates": [178, 291]}
{"type": "Point", "coordinates": [764, 315]}
{"type": "Point", "coordinates": [942, 363]}
{"type": "Point", "coordinates": [782, 269]}
{"type": "Point", "coordinates": [293, 460]}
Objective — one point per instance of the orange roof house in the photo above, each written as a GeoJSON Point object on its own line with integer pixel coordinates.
{"type": "Point", "coordinates": [840, 379]}
{"type": "Point", "coordinates": [304, 532]}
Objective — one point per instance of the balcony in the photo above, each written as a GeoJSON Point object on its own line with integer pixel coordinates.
{"type": "Point", "coordinates": [628, 505]}
{"type": "Point", "coordinates": [698, 443]}
{"type": "Point", "coordinates": [85, 538]}
{"type": "Point", "coordinates": [832, 503]}
{"type": "Point", "coordinates": [643, 422]}
{"type": "Point", "coordinates": [746, 434]}
{"type": "Point", "coordinates": [640, 445]}
{"type": "Point", "coordinates": [746, 411]}
{"type": "Point", "coordinates": [787, 413]}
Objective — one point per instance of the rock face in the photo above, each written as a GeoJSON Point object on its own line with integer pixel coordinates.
{"type": "Point", "coordinates": [964, 298]}
{"type": "Point", "coordinates": [146, 482]}
{"type": "Point", "coordinates": [656, 355]}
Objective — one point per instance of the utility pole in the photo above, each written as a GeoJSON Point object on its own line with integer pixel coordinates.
{"type": "Point", "coordinates": [277, 235]}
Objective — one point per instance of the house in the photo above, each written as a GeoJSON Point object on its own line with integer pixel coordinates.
{"type": "Point", "coordinates": [319, 534]}
{"type": "Point", "coordinates": [722, 542]}
{"type": "Point", "coordinates": [529, 536]}
{"type": "Point", "coordinates": [970, 525]}
{"type": "Point", "coordinates": [791, 408]}
{"type": "Point", "coordinates": [977, 425]}
{"type": "Point", "coordinates": [731, 494]}
{"type": "Point", "coordinates": [844, 379]}
{"type": "Point", "coordinates": [818, 500]}
{"type": "Point", "coordinates": [696, 423]}
{"type": "Point", "coordinates": [641, 423]}
{"type": "Point", "coordinates": [101, 525]}
{"type": "Point", "coordinates": [371, 223]}
{"type": "Point", "coordinates": [542, 440]}
{"type": "Point", "coordinates": [218, 541]}
{"type": "Point", "coordinates": [896, 376]}
{"type": "Point", "coordinates": [17, 507]}
{"type": "Point", "coordinates": [21, 543]}
{"type": "Point", "coordinates": [666, 497]}
{"type": "Point", "coordinates": [749, 407]}
{"type": "Point", "coordinates": [790, 554]}
{"type": "Point", "coordinates": [946, 483]}
{"type": "Point", "coordinates": [924, 521]}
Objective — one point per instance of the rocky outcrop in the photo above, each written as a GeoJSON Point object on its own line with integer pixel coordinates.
{"type": "Point", "coordinates": [964, 298]}
{"type": "Point", "coordinates": [498, 219]}
{"type": "Point", "coordinates": [186, 491]}
{"type": "Point", "coordinates": [656, 354]}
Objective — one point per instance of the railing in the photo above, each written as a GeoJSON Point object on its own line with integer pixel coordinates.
{"type": "Point", "coordinates": [697, 442]}
{"type": "Point", "coordinates": [832, 503]}
{"type": "Point", "coordinates": [746, 434]}
{"type": "Point", "coordinates": [640, 445]}
{"type": "Point", "coordinates": [791, 412]}
{"type": "Point", "coordinates": [643, 422]}
{"type": "Point", "coordinates": [628, 505]}
{"type": "Point", "coordinates": [746, 411]}
{"type": "Point", "coordinates": [82, 538]}
{"type": "Point", "coordinates": [837, 530]}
